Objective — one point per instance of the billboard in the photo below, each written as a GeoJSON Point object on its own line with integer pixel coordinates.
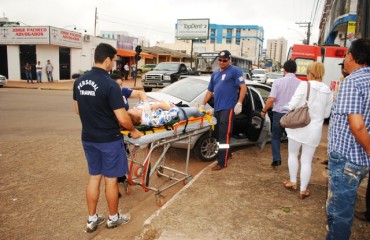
{"type": "Point", "coordinates": [189, 29]}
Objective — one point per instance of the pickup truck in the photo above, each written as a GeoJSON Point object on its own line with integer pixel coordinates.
{"type": "Point", "coordinates": [164, 74]}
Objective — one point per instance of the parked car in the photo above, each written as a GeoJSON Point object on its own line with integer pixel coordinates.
{"type": "Point", "coordinates": [164, 74]}
{"type": "Point", "coordinates": [249, 127]}
{"type": "Point", "coordinates": [146, 68]}
{"type": "Point", "coordinates": [272, 76]}
{"type": "Point", "coordinates": [3, 81]}
{"type": "Point", "coordinates": [259, 75]}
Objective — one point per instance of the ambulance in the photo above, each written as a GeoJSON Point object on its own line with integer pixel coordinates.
{"type": "Point", "coordinates": [331, 56]}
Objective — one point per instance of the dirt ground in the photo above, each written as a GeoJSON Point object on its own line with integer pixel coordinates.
{"type": "Point", "coordinates": [44, 175]}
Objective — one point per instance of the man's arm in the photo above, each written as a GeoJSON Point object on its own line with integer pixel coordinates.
{"type": "Point", "coordinates": [242, 92]}
{"type": "Point", "coordinates": [125, 121]}
{"type": "Point", "coordinates": [268, 104]}
{"type": "Point", "coordinates": [75, 104]}
{"type": "Point", "coordinates": [358, 129]}
{"type": "Point", "coordinates": [207, 97]}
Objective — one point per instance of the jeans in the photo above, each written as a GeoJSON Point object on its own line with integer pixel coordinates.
{"type": "Point", "coordinates": [277, 133]}
{"type": "Point", "coordinates": [29, 76]}
{"type": "Point", "coordinates": [39, 74]}
{"type": "Point", "coordinates": [344, 179]}
{"type": "Point", "coordinates": [50, 76]}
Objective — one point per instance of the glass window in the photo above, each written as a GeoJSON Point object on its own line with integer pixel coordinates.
{"type": "Point", "coordinates": [187, 89]}
{"type": "Point", "coordinates": [228, 40]}
{"type": "Point", "coordinates": [229, 31]}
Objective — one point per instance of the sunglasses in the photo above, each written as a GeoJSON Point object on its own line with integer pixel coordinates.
{"type": "Point", "coordinates": [223, 60]}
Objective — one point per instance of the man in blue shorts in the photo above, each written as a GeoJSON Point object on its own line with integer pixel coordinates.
{"type": "Point", "coordinates": [224, 87]}
{"type": "Point", "coordinates": [98, 101]}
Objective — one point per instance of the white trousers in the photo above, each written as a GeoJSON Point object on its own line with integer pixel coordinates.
{"type": "Point", "coordinates": [306, 162]}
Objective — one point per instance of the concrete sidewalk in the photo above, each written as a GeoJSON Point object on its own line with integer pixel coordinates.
{"type": "Point", "coordinates": [247, 200]}
{"type": "Point", "coordinates": [61, 84]}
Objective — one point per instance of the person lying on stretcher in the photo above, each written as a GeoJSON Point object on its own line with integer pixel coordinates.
{"type": "Point", "coordinates": [161, 113]}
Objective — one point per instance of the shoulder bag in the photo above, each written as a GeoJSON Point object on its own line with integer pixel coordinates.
{"type": "Point", "coordinates": [299, 117]}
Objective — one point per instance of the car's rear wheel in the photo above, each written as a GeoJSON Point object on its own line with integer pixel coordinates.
{"type": "Point", "coordinates": [206, 148]}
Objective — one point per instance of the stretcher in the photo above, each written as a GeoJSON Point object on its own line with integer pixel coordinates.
{"type": "Point", "coordinates": [141, 171]}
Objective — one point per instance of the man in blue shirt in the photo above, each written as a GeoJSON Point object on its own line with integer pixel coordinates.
{"type": "Point", "coordinates": [98, 101]}
{"type": "Point", "coordinates": [349, 141]}
{"type": "Point", "coordinates": [224, 87]}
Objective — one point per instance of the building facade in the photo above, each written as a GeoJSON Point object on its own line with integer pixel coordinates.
{"type": "Point", "coordinates": [241, 40]}
{"type": "Point", "coordinates": [276, 50]}
{"type": "Point", "coordinates": [338, 22]}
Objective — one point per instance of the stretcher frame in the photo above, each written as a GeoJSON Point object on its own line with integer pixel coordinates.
{"type": "Point", "coordinates": [144, 170]}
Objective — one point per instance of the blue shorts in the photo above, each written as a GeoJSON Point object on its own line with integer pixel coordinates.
{"type": "Point", "coordinates": [107, 159]}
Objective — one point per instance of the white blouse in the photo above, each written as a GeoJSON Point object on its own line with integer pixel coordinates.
{"type": "Point", "coordinates": [319, 103]}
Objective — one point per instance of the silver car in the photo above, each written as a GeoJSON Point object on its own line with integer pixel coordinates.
{"type": "Point", "coordinates": [3, 81]}
{"type": "Point", "coordinates": [249, 128]}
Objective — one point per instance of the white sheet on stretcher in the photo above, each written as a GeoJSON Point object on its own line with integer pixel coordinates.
{"type": "Point", "coordinates": [149, 138]}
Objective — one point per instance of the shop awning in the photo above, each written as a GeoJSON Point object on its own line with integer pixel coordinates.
{"type": "Point", "coordinates": [132, 53]}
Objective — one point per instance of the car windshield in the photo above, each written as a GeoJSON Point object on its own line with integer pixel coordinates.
{"type": "Point", "coordinates": [186, 89]}
{"type": "Point", "coordinates": [275, 75]}
{"type": "Point", "coordinates": [167, 66]}
{"type": "Point", "coordinates": [256, 71]}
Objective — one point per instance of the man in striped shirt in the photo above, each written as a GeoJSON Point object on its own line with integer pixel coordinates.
{"type": "Point", "coordinates": [349, 141]}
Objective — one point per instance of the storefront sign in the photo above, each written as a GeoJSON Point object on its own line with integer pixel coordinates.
{"type": "Point", "coordinates": [24, 35]}
{"type": "Point", "coordinates": [62, 37]}
{"type": "Point", "coordinates": [40, 35]}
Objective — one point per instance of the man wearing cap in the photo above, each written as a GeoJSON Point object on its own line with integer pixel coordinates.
{"type": "Point", "coordinates": [224, 87]}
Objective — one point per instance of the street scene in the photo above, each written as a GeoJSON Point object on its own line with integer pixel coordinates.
{"type": "Point", "coordinates": [196, 121]}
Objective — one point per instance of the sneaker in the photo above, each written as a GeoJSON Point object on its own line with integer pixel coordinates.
{"type": "Point", "coordinates": [92, 226]}
{"type": "Point", "coordinates": [122, 219]}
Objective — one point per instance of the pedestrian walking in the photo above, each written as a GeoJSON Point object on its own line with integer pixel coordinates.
{"type": "Point", "coordinates": [307, 138]}
{"type": "Point", "coordinates": [281, 92]}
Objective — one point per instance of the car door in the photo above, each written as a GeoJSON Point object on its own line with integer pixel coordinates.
{"type": "Point", "coordinates": [260, 129]}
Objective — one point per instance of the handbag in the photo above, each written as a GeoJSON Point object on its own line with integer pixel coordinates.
{"type": "Point", "coordinates": [299, 117]}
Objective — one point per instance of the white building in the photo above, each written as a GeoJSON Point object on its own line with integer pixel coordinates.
{"type": "Point", "coordinates": [276, 50]}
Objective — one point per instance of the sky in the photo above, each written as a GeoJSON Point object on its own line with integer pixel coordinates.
{"type": "Point", "coordinates": [156, 19]}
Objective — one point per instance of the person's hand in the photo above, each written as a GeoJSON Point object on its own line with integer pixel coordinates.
{"type": "Point", "coordinates": [135, 134]}
{"type": "Point", "coordinates": [147, 109]}
{"type": "Point", "coordinates": [238, 108]}
{"type": "Point", "coordinates": [201, 108]}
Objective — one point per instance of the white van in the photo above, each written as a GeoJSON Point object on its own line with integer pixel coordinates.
{"type": "Point", "coordinates": [259, 75]}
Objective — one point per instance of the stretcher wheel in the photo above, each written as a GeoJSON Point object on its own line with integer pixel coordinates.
{"type": "Point", "coordinates": [160, 200]}
{"type": "Point", "coordinates": [159, 171]}
{"type": "Point", "coordinates": [126, 187]}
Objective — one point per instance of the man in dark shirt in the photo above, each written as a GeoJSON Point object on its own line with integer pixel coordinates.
{"type": "Point", "coordinates": [98, 101]}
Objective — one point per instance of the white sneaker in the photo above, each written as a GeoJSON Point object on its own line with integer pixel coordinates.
{"type": "Point", "coordinates": [122, 219]}
{"type": "Point", "coordinates": [92, 226]}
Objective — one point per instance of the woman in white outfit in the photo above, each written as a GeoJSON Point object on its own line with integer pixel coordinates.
{"type": "Point", "coordinates": [320, 102]}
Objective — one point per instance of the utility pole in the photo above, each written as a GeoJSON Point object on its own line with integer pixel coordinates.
{"type": "Point", "coordinates": [308, 26]}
